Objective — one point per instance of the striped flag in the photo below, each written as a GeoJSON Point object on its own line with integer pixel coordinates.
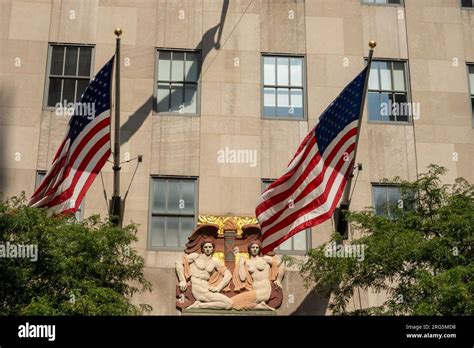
{"type": "Point", "coordinates": [310, 189]}
{"type": "Point", "coordinates": [84, 150]}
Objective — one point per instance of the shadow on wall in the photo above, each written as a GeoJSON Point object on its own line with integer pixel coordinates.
{"type": "Point", "coordinates": [207, 43]}
{"type": "Point", "coordinates": [313, 304]}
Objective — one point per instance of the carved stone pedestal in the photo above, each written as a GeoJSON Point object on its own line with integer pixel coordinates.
{"type": "Point", "coordinates": [220, 312]}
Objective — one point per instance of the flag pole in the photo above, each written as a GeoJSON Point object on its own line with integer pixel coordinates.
{"type": "Point", "coordinates": [116, 206]}
{"type": "Point", "coordinates": [341, 223]}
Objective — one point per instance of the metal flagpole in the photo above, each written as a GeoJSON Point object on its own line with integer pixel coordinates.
{"type": "Point", "coordinates": [341, 223]}
{"type": "Point", "coordinates": [116, 206]}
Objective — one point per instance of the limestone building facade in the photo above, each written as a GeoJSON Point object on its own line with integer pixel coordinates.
{"type": "Point", "coordinates": [217, 95]}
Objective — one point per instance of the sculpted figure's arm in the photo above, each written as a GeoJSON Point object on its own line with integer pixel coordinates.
{"type": "Point", "coordinates": [280, 265]}
{"type": "Point", "coordinates": [225, 280]}
{"type": "Point", "coordinates": [180, 271]}
{"type": "Point", "coordinates": [242, 272]}
{"type": "Point", "coordinates": [281, 272]}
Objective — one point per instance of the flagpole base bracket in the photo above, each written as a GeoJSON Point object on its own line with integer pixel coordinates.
{"type": "Point", "coordinates": [115, 210]}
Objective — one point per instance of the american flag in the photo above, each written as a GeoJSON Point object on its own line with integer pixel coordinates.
{"type": "Point", "coordinates": [83, 152]}
{"type": "Point", "coordinates": [310, 189]}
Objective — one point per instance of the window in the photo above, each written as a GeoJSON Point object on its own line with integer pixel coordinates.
{"type": "Point", "coordinates": [40, 174]}
{"type": "Point", "coordinates": [470, 69]}
{"type": "Point", "coordinates": [283, 87]}
{"type": "Point", "coordinates": [173, 212]}
{"type": "Point", "coordinates": [177, 82]}
{"type": "Point", "coordinates": [383, 2]}
{"type": "Point", "coordinates": [298, 244]}
{"type": "Point", "coordinates": [69, 72]}
{"type": "Point", "coordinates": [386, 198]}
{"type": "Point", "coordinates": [388, 96]}
{"type": "Point", "coordinates": [467, 3]}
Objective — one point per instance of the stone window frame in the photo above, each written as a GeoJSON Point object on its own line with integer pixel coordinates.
{"type": "Point", "coordinates": [303, 87]}
{"type": "Point", "coordinates": [264, 183]}
{"type": "Point", "coordinates": [150, 247]}
{"type": "Point", "coordinates": [40, 174]}
{"type": "Point", "coordinates": [365, 2]}
{"type": "Point", "coordinates": [375, 185]}
{"type": "Point", "coordinates": [392, 91]}
{"type": "Point", "coordinates": [63, 77]}
{"type": "Point", "coordinates": [463, 7]}
{"type": "Point", "coordinates": [198, 82]}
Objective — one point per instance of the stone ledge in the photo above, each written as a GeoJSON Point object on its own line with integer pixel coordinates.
{"type": "Point", "coordinates": [225, 312]}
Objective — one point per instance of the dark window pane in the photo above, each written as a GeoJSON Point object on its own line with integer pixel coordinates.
{"type": "Point", "coordinates": [403, 111]}
{"type": "Point", "coordinates": [393, 200]}
{"type": "Point", "coordinates": [187, 226]}
{"type": "Point", "coordinates": [269, 73]}
{"type": "Point", "coordinates": [163, 97]}
{"type": "Point", "coordinates": [286, 245]}
{"type": "Point", "coordinates": [385, 76]}
{"type": "Point", "coordinates": [393, 194]}
{"type": "Point", "coordinates": [174, 195]}
{"type": "Point", "coordinates": [177, 66]}
{"type": "Point", "coordinates": [299, 241]}
{"type": "Point", "coordinates": [57, 57]}
{"type": "Point", "coordinates": [471, 78]}
{"type": "Point", "coordinates": [385, 107]}
{"type": "Point", "coordinates": [177, 97]}
{"type": "Point", "coordinates": [374, 106]}
{"type": "Point", "coordinates": [158, 231]}
{"type": "Point", "coordinates": [85, 61]}
{"type": "Point", "coordinates": [39, 178]}
{"type": "Point", "coordinates": [187, 196]}
{"type": "Point", "coordinates": [78, 215]}
{"type": "Point", "coordinates": [472, 108]}
{"type": "Point", "coordinates": [399, 76]}
{"type": "Point", "coordinates": [190, 98]}
{"type": "Point", "coordinates": [265, 184]}
{"type": "Point", "coordinates": [283, 102]}
{"type": "Point", "coordinates": [69, 89]}
{"type": "Point", "coordinates": [390, 110]}
{"type": "Point", "coordinates": [380, 197]}
{"type": "Point", "coordinates": [374, 76]}
{"type": "Point", "coordinates": [191, 67]}
{"type": "Point", "coordinates": [159, 196]}
{"type": "Point", "coordinates": [296, 71]}
{"type": "Point", "coordinates": [172, 231]}
{"type": "Point", "coordinates": [81, 87]}
{"type": "Point", "coordinates": [466, 3]}
{"type": "Point", "coordinates": [70, 68]}
{"type": "Point", "coordinates": [283, 71]}
{"type": "Point", "coordinates": [269, 101]}
{"type": "Point", "coordinates": [296, 103]}
{"type": "Point", "coordinates": [54, 93]}
{"type": "Point", "coordinates": [164, 66]}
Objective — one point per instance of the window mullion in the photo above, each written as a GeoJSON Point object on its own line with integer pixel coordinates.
{"type": "Point", "coordinates": [171, 78]}
{"type": "Point", "coordinates": [184, 79]}
{"type": "Point", "coordinates": [77, 73]}
{"type": "Point", "coordinates": [77, 62]}
{"type": "Point", "coordinates": [165, 230]}
{"type": "Point", "coordinates": [62, 90]}
{"type": "Point", "coordinates": [64, 60]}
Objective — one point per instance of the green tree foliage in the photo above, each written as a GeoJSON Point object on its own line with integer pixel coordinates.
{"type": "Point", "coordinates": [83, 268]}
{"type": "Point", "coordinates": [421, 256]}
